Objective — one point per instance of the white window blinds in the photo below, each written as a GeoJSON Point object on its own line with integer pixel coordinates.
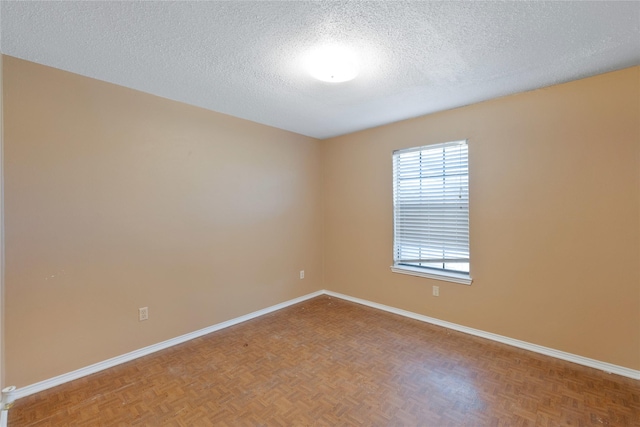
{"type": "Point", "coordinates": [431, 206]}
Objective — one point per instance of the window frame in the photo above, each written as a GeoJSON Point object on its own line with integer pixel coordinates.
{"type": "Point", "coordinates": [424, 271]}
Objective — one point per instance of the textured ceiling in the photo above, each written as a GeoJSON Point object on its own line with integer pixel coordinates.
{"type": "Point", "coordinates": [245, 58]}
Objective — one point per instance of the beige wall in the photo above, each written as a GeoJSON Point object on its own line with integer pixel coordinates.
{"type": "Point", "coordinates": [117, 199]}
{"type": "Point", "coordinates": [1, 237]}
{"type": "Point", "coordinates": [554, 217]}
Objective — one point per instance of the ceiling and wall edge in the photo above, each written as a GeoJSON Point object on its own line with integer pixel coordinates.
{"type": "Point", "coordinates": [607, 367]}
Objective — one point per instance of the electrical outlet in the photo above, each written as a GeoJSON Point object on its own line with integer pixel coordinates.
{"type": "Point", "coordinates": [143, 313]}
{"type": "Point", "coordinates": [302, 274]}
{"type": "Point", "coordinates": [436, 291]}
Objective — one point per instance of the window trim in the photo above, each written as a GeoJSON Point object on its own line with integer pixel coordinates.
{"type": "Point", "coordinates": [430, 273]}
{"type": "Point", "coordinates": [427, 272]}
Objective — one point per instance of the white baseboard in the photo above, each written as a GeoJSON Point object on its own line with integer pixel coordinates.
{"type": "Point", "coordinates": [97, 367]}
{"type": "Point", "coordinates": [592, 363]}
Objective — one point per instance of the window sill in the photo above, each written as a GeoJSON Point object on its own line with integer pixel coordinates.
{"type": "Point", "coordinates": [446, 276]}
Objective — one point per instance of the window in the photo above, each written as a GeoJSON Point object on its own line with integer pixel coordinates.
{"type": "Point", "coordinates": [431, 211]}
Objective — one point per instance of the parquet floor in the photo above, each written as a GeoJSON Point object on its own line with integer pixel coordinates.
{"type": "Point", "coordinates": [329, 362]}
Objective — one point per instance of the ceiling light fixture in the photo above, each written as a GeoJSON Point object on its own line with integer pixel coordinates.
{"type": "Point", "coordinates": [331, 63]}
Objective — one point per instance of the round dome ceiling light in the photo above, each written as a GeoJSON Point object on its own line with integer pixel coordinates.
{"type": "Point", "coordinates": [333, 64]}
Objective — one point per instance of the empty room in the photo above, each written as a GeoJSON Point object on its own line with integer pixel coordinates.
{"type": "Point", "coordinates": [298, 213]}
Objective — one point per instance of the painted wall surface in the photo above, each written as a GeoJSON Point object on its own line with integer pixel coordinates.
{"type": "Point", "coordinates": [554, 217]}
{"type": "Point", "coordinates": [117, 199]}
{"type": "Point", "coordinates": [1, 237]}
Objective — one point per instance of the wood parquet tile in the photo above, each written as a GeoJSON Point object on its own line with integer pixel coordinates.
{"type": "Point", "coordinates": [329, 362]}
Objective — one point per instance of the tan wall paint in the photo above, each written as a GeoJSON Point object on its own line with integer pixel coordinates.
{"type": "Point", "coordinates": [554, 222]}
{"type": "Point", "coordinates": [116, 199]}
{"type": "Point", "coordinates": [2, 370]}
